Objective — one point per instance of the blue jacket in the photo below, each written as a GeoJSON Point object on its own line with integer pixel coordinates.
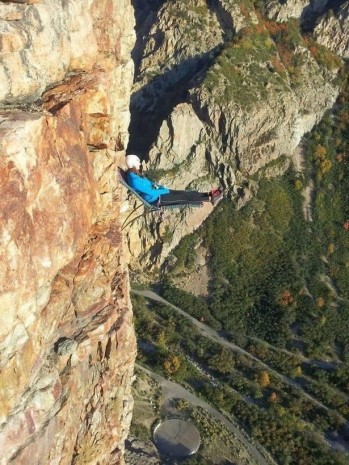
{"type": "Point", "coordinates": [145, 188]}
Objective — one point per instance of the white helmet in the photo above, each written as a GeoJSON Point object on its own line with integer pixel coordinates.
{"type": "Point", "coordinates": [133, 161]}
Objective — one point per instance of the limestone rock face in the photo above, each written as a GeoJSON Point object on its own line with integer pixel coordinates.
{"type": "Point", "coordinates": [299, 9]}
{"type": "Point", "coordinates": [282, 11]}
{"type": "Point", "coordinates": [180, 134]}
{"type": "Point", "coordinates": [248, 136]}
{"type": "Point", "coordinates": [333, 31]}
{"type": "Point", "coordinates": [257, 90]}
{"type": "Point", "coordinates": [179, 33]}
{"type": "Point", "coordinates": [40, 43]}
{"type": "Point", "coordinates": [153, 236]}
{"type": "Point", "coordinates": [141, 452]}
{"type": "Point", "coordinates": [67, 342]}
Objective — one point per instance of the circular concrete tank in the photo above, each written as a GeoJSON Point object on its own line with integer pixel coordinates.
{"type": "Point", "coordinates": [177, 437]}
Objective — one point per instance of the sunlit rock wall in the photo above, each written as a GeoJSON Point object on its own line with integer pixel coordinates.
{"type": "Point", "coordinates": [66, 337]}
{"type": "Point", "coordinates": [333, 30]}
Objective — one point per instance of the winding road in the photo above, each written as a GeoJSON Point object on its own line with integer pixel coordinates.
{"type": "Point", "coordinates": [173, 390]}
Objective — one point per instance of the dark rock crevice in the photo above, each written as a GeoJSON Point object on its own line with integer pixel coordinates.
{"type": "Point", "coordinates": [154, 102]}
{"type": "Point", "coordinates": [145, 15]}
{"type": "Point", "coordinates": [315, 10]}
{"type": "Point", "coordinates": [224, 18]}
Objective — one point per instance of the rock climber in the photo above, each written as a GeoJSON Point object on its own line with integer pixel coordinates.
{"type": "Point", "coordinates": [161, 196]}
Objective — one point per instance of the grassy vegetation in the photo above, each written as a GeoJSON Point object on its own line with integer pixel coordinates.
{"type": "Point", "coordinates": [253, 264]}
{"type": "Point", "coordinates": [327, 261]}
{"type": "Point", "coordinates": [265, 58]}
{"type": "Point", "coordinates": [240, 73]}
{"type": "Point", "coordinates": [217, 440]}
{"type": "Point", "coordinates": [193, 16]}
{"type": "Point", "coordinates": [322, 55]}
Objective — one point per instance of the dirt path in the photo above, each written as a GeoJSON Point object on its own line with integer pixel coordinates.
{"type": "Point", "coordinates": [298, 162]}
{"type": "Point", "coordinates": [173, 390]}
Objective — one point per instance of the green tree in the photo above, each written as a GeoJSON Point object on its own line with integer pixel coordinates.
{"type": "Point", "coordinates": [172, 364]}
{"type": "Point", "coordinates": [263, 379]}
{"type": "Point", "coordinates": [222, 362]}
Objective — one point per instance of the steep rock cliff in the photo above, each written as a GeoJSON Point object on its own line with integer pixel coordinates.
{"type": "Point", "coordinates": [305, 10]}
{"type": "Point", "coordinates": [247, 102]}
{"type": "Point", "coordinates": [333, 31]}
{"type": "Point", "coordinates": [282, 11]}
{"type": "Point", "coordinates": [66, 337]}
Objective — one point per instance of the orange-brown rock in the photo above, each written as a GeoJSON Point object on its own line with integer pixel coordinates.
{"type": "Point", "coordinates": [48, 41]}
{"type": "Point", "coordinates": [67, 343]}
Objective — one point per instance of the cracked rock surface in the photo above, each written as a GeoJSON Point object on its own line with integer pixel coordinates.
{"type": "Point", "coordinates": [141, 452]}
{"type": "Point", "coordinates": [67, 342]}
